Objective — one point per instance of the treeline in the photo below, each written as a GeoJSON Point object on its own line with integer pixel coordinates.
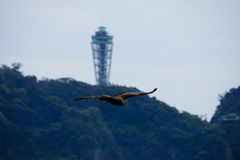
{"type": "Point", "coordinates": [40, 120]}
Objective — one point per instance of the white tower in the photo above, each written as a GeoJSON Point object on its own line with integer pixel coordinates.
{"type": "Point", "coordinates": [102, 55]}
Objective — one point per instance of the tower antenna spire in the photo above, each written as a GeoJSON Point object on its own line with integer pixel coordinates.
{"type": "Point", "coordinates": [101, 19]}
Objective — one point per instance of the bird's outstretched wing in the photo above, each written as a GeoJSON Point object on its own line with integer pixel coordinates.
{"type": "Point", "coordinates": [96, 96]}
{"type": "Point", "coordinates": [126, 95]}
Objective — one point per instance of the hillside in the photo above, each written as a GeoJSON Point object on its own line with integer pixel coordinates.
{"type": "Point", "coordinates": [39, 120]}
{"type": "Point", "coordinates": [230, 103]}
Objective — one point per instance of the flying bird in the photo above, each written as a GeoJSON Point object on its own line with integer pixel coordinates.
{"type": "Point", "coordinates": [118, 99]}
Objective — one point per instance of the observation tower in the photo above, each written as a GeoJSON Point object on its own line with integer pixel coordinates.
{"type": "Point", "coordinates": [102, 55]}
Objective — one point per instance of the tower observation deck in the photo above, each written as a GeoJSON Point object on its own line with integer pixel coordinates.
{"type": "Point", "coordinates": [102, 55]}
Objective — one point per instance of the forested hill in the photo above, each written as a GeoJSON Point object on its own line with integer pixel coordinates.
{"type": "Point", "coordinates": [40, 120]}
{"type": "Point", "coordinates": [229, 103]}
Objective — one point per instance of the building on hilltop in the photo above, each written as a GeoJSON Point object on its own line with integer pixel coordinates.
{"type": "Point", "coordinates": [229, 119]}
{"type": "Point", "coordinates": [102, 46]}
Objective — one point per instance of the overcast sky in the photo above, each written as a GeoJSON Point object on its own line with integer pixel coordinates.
{"type": "Point", "coordinates": [189, 49]}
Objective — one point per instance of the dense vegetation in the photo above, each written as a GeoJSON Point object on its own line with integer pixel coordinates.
{"type": "Point", "coordinates": [39, 120]}
{"type": "Point", "coordinates": [230, 103]}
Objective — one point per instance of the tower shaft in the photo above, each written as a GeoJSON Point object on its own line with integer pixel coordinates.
{"type": "Point", "coordinates": [102, 55]}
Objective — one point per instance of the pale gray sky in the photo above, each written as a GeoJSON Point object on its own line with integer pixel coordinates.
{"type": "Point", "coordinates": [188, 49]}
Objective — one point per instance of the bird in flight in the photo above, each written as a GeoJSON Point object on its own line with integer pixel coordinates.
{"type": "Point", "coordinates": [118, 99]}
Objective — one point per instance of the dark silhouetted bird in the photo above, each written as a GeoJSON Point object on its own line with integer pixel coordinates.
{"type": "Point", "coordinates": [118, 99]}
